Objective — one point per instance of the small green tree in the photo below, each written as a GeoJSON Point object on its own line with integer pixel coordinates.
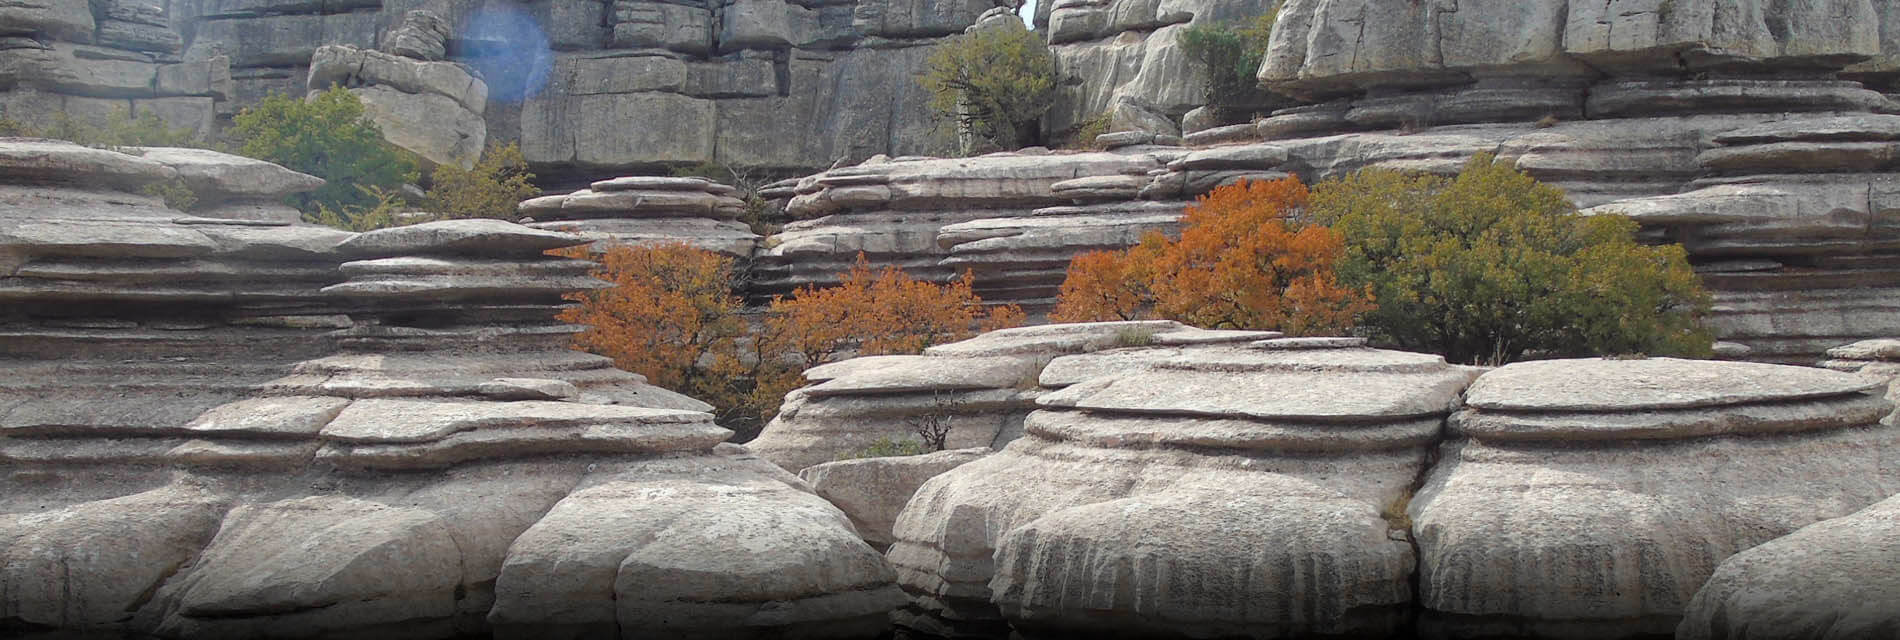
{"type": "Point", "coordinates": [1229, 57]}
{"type": "Point", "coordinates": [1491, 265]}
{"type": "Point", "coordinates": [326, 136]}
{"type": "Point", "coordinates": [492, 189]}
{"type": "Point", "coordinates": [994, 83]}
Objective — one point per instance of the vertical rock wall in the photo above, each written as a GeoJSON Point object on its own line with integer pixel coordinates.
{"type": "Point", "coordinates": [93, 59]}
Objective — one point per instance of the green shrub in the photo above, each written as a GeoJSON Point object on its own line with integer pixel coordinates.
{"type": "Point", "coordinates": [995, 84]}
{"type": "Point", "coordinates": [1229, 57]}
{"type": "Point", "coordinates": [1083, 135]}
{"type": "Point", "coordinates": [119, 129]}
{"type": "Point", "coordinates": [326, 136]}
{"type": "Point", "coordinates": [492, 189]}
{"type": "Point", "coordinates": [379, 213]}
{"type": "Point", "coordinates": [885, 447]}
{"type": "Point", "coordinates": [1491, 266]}
{"type": "Point", "coordinates": [175, 194]}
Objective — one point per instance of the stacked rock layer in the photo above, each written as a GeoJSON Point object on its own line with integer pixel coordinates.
{"type": "Point", "coordinates": [1594, 497]}
{"type": "Point", "coordinates": [91, 61]}
{"type": "Point", "coordinates": [1116, 512]}
{"type": "Point", "coordinates": [640, 210]}
{"type": "Point", "coordinates": [244, 429]}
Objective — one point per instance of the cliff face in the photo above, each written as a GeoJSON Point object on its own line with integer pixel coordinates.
{"type": "Point", "coordinates": [93, 59]}
{"type": "Point", "coordinates": [588, 86]}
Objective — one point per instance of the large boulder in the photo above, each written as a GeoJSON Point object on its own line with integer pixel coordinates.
{"type": "Point", "coordinates": [431, 108]}
{"type": "Point", "coordinates": [1834, 579]}
{"type": "Point", "coordinates": [248, 429]}
{"type": "Point", "coordinates": [1140, 464]}
{"type": "Point", "coordinates": [1595, 496]}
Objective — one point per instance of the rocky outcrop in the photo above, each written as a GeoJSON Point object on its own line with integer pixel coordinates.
{"type": "Point", "coordinates": [937, 217]}
{"type": "Point", "coordinates": [242, 428]}
{"type": "Point", "coordinates": [577, 82]}
{"type": "Point", "coordinates": [979, 390]}
{"type": "Point", "coordinates": [1141, 463]}
{"type": "Point", "coordinates": [642, 210]}
{"type": "Point", "coordinates": [233, 187]}
{"type": "Point", "coordinates": [1619, 485]}
{"type": "Point", "coordinates": [92, 61]}
{"type": "Point", "coordinates": [872, 491]}
{"type": "Point", "coordinates": [431, 108]}
{"type": "Point", "coordinates": [1123, 59]}
{"type": "Point", "coordinates": [1833, 579]}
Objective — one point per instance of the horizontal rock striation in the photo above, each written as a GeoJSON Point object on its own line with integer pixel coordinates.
{"type": "Point", "coordinates": [244, 429]}
{"type": "Point", "coordinates": [1142, 462]}
{"type": "Point", "coordinates": [640, 210]}
{"type": "Point", "coordinates": [728, 78]}
{"type": "Point", "coordinates": [979, 389]}
{"type": "Point", "coordinates": [93, 60]}
{"type": "Point", "coordinates": [1833, 579]}
{"type": "Point", "coordinates": [1594, 497]}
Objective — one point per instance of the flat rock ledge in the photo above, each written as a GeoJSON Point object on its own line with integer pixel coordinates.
{"type": "Point", "coordinates": [649, 210]}
{"type": "Point", "coordinates": [1593, 497]}
{"type": "Point", "coordinates": [221, 429]}
{"type": "Point", "coordinates": [1140, 464]}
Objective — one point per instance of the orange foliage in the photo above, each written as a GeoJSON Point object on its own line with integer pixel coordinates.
{"type": "Point", "coordinates": [1238, 264]}
{"type": "Point", "coordinates": [669, 306]}
{"type": "Point", "coordinates": [671, 316]}
{"type": "Point", "coordinates": [882, 312]}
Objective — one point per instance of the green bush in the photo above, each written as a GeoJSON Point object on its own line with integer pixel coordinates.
{"type": "Point", "coordinates": [1229, 56]}
{"type": "Point", "coordinates": [326, 136]}
{"type": "Point", "coordinates": [492, 189]}
{"type": "Point", "coordinates": [994, 83]}
{"type": "Point", "coordinates": [175, 194]}
{"type": "Point", "coordinates": [379, 213]}
{"type": "Point", "coordinates": [1492, 266]}
{"type": "Point", "coordinates": [119, 129]}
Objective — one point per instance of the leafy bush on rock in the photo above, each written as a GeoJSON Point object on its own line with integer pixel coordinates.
{"type": "Point", "coordinates": [994, 83]}
{"type": "Point", "coordinates": [1492, 266]}
{"type": "Point", "coordinates": [328, 137]}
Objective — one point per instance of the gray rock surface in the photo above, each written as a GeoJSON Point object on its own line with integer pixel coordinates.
{"type": "Point", "coordinates": [1619, 485]}
{"type": "Point", "coordinates": [648, 210]}
{"type": "Point", "coordinates": [872, 491]}
{"type": "Point", "coordinates": [1836, 578]}
{"type": "Point", "coordinates": [221, 428]}
{"type": "Point", "coordinates": [431, 108]}
{"type": "Point", "coordinates": [1085, 523]}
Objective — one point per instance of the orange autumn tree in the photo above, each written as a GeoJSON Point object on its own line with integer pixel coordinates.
{"type": "Point", "coordinates": [669, 307]}
{"type": "Point", "coordinates": [671, 316]}
{"type": "Point", "coordinates": [1242, 262]}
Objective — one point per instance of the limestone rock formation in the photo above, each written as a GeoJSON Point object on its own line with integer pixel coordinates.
{"type": "Point", "coordinates": [431, 108]}
{"type": "Point", "coordinates": [93, 60]}
{"type": "Point", "coordinates": [233, 187]}
{"type": "Point", "coordinates": [636, 210]}
{"type": "Point", "coordinates": [1123, 58]}
{"type": "Point", "coordinates": [932, 217]}
{"type": "Point", "coordinates": [244, 428]}
{"type": "Point", "coordinates": [1833, 579]}
{"type": "Point", "coordinates": [979, 389]}
{"type": "Point", "coordinates": [1594, 497]}
{"type": "Point", "coordinates": [872, 491]}
{"type": "Point", "coordinates": [584, 84]}
{"type": "Point", "coordinates": [1261, 468]}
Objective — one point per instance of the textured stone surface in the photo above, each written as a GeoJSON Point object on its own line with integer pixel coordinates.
{"type": "Point", "coordinates": [1836, 578]}
{"type": "Point", "coordinates": [872, 491]}
{"type": "Point", "coordinates": [219, 428]}
{"type": "Point", "coordinates": [647, 210]}
{"type": "Point", "coordinates": [1617, 502]}
{"type": "Point", "coordinates": [1085, 523]}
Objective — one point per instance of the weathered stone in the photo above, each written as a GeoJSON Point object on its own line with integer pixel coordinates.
{"type": "Point", "coordinates": [872, 491]}
{"type": "Point", "coordinates": [492, 237]}
{"type": "Point", "coordinates": [1831, 579]}
{"type": "Point", "coordinates": [217, 177]}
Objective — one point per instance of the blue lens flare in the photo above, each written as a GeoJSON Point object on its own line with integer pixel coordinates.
{"type": "Point", "coordinates": [509, 48]}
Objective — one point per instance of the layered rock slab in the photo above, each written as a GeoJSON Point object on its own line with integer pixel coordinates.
{"type": "Point", "coordinates": [1137, 468]}
{"type": "Point", "coordinates": [245, 429]}
{"type": "Point", "coordinates": [649, 210]}
{"type": "Point", "coordinates": [1593, 497]}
